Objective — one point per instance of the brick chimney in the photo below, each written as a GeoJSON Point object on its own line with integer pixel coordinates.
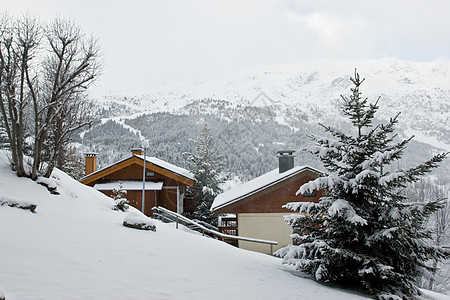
{"type": "Point", "coordinates": [285, 160]}
{"type": "Point", "coordinates": [91, 162]}
{"type": "Point", "coordinates": [137, 151]}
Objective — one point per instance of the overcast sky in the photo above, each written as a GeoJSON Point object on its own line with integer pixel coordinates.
{"type": "Point", "coordinates": [146, 42]}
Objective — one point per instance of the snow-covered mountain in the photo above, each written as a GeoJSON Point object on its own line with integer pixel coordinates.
{"type": "Point", "coordinates": [255, 112]}
{"type": "Point", "coordinates": [419, 90]}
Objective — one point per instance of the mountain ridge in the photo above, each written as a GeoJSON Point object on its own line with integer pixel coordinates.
{"type": "Point", "coordinates": [254, 112]}
{"type": "Point", "coordinates": [402, 86]}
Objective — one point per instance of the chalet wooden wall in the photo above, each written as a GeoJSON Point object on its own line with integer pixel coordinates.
{"type": "Point", "coordinates": [166, 198]}
{"type": "Point", "coordinates": [273, 198]}
{"type": "Point", "coordinates": [131, 169]}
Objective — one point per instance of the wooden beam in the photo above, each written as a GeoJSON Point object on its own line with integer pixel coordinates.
{"type": "Point", "coordinates": [109, 170]}
{"type": "Point", "coordinates": [165, 172]}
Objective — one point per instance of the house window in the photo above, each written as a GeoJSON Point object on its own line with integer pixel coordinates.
{"type": "Point", "coordinates": [150, 174]}
{"type": "Point", "coordinates": [309, 194]}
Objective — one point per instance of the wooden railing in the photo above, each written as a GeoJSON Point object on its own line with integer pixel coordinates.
{"type": "Point", "coordinates": [177, 218]}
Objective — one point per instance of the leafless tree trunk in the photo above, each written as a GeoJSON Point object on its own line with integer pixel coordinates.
{"type": "Point", "coordinates": [18, 44]}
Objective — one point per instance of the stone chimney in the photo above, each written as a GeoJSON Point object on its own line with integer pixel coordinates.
{"type": "Point", "coordinates": [137, 151]}
{"type": "Point", "coordinates": [91, 162]}
{"type": "Point", "coordinates": [285, 160]}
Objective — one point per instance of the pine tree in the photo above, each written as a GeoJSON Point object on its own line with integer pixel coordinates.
{"type": "Point", "coordinates": [364, 233]}
{"type": "Point", "coordinates": [208, 166]}
{"type": "Point", "coordinates": [119, 197]}
{"type": "Point", "coordinates": [72, 164]}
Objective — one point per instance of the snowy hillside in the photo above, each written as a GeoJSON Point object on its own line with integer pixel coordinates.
{"type": "Point", "coordinates": [75, 247]}
{"type": "Point", "coordinates": [419, 90]}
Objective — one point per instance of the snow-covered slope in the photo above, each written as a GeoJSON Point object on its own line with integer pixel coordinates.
{"type": "Point", "coordinates": [421, 91]}
{"type": "Point", "coordinates": [75, 247]}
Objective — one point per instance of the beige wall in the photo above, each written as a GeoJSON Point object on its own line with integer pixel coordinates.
{"type": "Point", "coordinates": [267, 226]}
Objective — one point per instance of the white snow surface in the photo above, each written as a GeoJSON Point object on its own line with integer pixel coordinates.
{"type": "Point", "coordinates": [75, 247]}
{"type": "Point", "coordinates": [129, 185]}
{"type": "Point", "coordinates": [254, 185]}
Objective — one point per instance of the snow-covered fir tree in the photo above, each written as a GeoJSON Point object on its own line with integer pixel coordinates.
{"type": "Point", "coordinates": [208, 166]}
{"type": "Point", "coordinates": [364, 233]}
{"type": "Point", "coordinates": [119, 197]}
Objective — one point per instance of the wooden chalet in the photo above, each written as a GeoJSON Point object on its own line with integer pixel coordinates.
{"type": "Point", "coordinates": [165, 184]}
{"type": "Point", "coordinates": [254, 209]}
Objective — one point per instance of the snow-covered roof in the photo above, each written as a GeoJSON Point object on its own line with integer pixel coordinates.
{"type": "Point", "coordinates": [153, 160]}
{"type": "Point", "coordinates": [129, 185]}
{"type": "Point", "coordinates": [168, 166]}
{"type": "Point", "coordinates": [255, 185]}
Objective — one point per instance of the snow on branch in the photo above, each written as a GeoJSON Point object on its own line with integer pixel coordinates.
{"type": "Point", "coordinates": [379, 158]}
{"type": "Point", "coordinates": [359, 178]}
{"type": "Point", "coordinates": [303, 207]}
{"type": "Point", "coordinates": [326, 182]}
{"type": "Point", "coordinates": [343, 208]}
{"type": "Point", "coordinates": [293, 218]}
{"type": "Point", "coordinates": [389, 178]}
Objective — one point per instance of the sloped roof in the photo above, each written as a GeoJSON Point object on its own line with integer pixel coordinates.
{"type": "Point", "coordinates": [256, 185]}
{"type": "Point", "coordinates": [139, 159]}
{"type": "Point", "coordinates": [168, 166]}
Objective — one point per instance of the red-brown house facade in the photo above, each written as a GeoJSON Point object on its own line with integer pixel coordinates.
{"type": "Point", "coordinates": [165, 183]}
{"type": "Point", "coordinates": [257, 204]}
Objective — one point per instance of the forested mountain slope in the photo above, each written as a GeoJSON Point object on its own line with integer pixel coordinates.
{"type": "Point", "coordinates": [255, 112]}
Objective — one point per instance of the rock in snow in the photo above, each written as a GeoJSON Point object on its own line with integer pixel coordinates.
{"type": "Point", "coordinates": [139, 221]}
{"type": "Point", "coordinates": [23, 204]}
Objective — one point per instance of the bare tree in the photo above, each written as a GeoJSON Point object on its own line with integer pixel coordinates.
{"type": "Point", "coordinates": [53, 66]}
{"type": "Point", "coordinates": [19, 43]}
{"type": "Point", "coordinates": [69, 69]}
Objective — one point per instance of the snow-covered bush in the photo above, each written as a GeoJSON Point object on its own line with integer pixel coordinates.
{"type": "Point", "coordinates": [119, 198]}
{"type": "Point", "coordinates": [364, 233]}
